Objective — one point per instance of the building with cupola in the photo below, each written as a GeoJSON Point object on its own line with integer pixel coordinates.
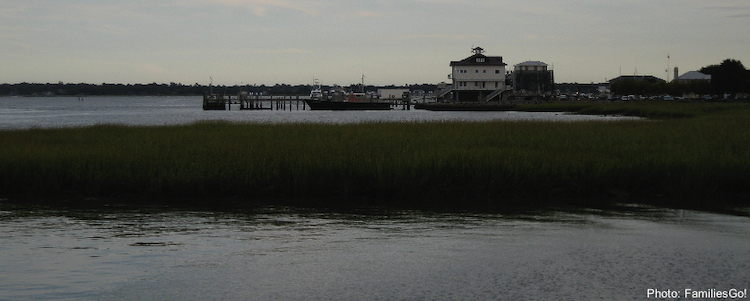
{"type": "Point", "coordinates": [478, 78]}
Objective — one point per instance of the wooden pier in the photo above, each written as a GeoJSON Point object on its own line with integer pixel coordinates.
{"type": "Point", "coordinates": [274, 102]}
{"type": "Point", "coordinates": [254, 102]}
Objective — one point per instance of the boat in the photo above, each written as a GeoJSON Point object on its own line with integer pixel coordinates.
{"type": "Point", "coordinates": [347, 101]}
{"type": "Point", "coordinates": [316, 92]}
{"type": "Point", "coordinates": [339, 100]}
{"type": "Point", "coordinates": [347, 105]}
{"type": "Point", "coordinates": [214, 102]}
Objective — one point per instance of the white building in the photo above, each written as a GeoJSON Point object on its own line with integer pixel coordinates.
{"type": "Point", "coordinates": [478, 77]}
{"type": "Point", "coordinates": [392, 93]}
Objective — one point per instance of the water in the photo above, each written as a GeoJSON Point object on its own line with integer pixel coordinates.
{"type": "Point", "coordinates": [49, 112]}
{"type": "Point", "coordinates": [292, 254]}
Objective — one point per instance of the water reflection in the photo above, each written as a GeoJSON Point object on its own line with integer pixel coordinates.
{"type": "Point", "coordinates": [295, 254]}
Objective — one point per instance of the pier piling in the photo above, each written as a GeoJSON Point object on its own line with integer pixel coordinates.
{"type": "Point", "coordinates": [253, 102]}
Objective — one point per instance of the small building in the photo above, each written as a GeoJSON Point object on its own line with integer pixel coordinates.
{"type": "Point", "coordinates": [392, 93]}
{"type": "Point", "coordinates": [533, 78]}
{"type": "Point", "coordinates": [478, 78]}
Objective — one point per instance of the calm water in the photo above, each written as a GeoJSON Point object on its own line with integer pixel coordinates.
{"type": "Point", "coordinates": [45, 112]}
{"type": "Point", "coordinates": [287, 254]}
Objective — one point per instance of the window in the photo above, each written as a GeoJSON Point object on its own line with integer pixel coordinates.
{"type": "Point", "coordinates": [497, 71]}
{"type": "Point", "coordinates": [484, 71]}
{"type": "Point", "coordinates": [480, 60]}
{"type": "Point", "coordinates": [476, 71]}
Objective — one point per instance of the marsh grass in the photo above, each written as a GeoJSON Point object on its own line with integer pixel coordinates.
{"type": "Point", "coordinates": [703, 160]}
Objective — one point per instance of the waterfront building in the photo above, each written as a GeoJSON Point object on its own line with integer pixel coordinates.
{"type": "Point", "coordinates": [478, 78]}
{"type": "Point", "coordinates": [533, 78]}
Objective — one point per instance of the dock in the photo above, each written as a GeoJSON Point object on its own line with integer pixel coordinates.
{"type": "Point", "coordinates": [244, 101]}
{"type": "Point", "coordinates": [254, 102]}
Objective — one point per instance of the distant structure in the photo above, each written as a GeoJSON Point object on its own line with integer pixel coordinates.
{"type": "Point", "coordinates": [386, 93]}
{"type": "Point", "coordinates": [477, 78]}
{"type": "Point", "coordinates": [693, 75]}
{"type": "Point", "coordinates": [637, 78]}
{"type": "Point", "coordinates": [532, 78]}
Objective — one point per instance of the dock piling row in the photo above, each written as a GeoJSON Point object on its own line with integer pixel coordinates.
{"type": "Point", "coordinates": [253, 102]}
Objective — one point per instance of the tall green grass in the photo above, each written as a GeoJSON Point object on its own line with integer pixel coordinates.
{"type": "Point", "coordinates": [648, 109]}
{"type": "Point", "coordinates": [699, 161]}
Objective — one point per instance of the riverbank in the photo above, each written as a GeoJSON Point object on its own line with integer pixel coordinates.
{"type": "Point", "coordinates": [688, 155]}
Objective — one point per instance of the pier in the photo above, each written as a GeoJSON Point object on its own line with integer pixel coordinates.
{"type": "Point", "coordinates": [278, 102]}
{"type": "Point", "coordinates": [254, 102]}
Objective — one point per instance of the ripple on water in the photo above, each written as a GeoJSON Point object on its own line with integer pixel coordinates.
{"type": "Point", "coordinates": [302, 255]}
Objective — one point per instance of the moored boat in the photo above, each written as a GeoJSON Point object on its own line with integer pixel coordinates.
{"type": "Point", "coordinates": [339, 100]}
{"type": "Point", "coordinates": [347, 105]}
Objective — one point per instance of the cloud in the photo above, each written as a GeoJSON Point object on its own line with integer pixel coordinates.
{"type": "Point", "coordinates": [441, 1]}
{"type": "Point", "coordinates": [281, 50]}
{"type": "Point", "coordinates": [23, 46]}
{"type": "Point", "coordinates": [734, 11]}
{"type": "Point", "coordinates": [153, 69]}
{"type": "Point", "coordinates": [260, 7]}
{"type": "Point", "coordinates": [367, 14]}
{"type": "Point", "coordinates": [439, 36]}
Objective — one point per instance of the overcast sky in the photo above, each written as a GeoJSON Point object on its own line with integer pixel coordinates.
{"type": "Point", "coordinates": [336, 41]}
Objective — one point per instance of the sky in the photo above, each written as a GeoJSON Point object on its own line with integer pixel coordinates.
{"type": "Point", "coordinates": [236, 42]}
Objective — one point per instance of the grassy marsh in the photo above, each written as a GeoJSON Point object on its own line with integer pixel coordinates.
{"type": "Point", "coordinates": [689, 155]}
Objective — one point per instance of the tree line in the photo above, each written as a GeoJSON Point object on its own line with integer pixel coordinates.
{"type": "Point", "coordinates": [729, 78]}
{"type": "Point", "coordinates": [173, 89]}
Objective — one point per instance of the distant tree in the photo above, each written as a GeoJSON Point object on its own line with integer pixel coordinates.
{"type": "Point", "coordinates": [60, 88]}
{"type": "Point", "coordinates": [728, 77]}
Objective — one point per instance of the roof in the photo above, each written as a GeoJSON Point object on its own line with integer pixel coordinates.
{"type": "Point", "coordinates": [532, 63]}
{"type": "Point", "coordinates": [479, 59]}
{"type": "Point", "coordinates": [638, 78]}
{"type": "Point", "coordinates": [694, 75]}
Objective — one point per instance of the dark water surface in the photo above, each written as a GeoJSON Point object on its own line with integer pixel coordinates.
{"type": "Point", "coordinates": [292, 254]}
{"type": "Point", "coordinates": [49, 112]}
